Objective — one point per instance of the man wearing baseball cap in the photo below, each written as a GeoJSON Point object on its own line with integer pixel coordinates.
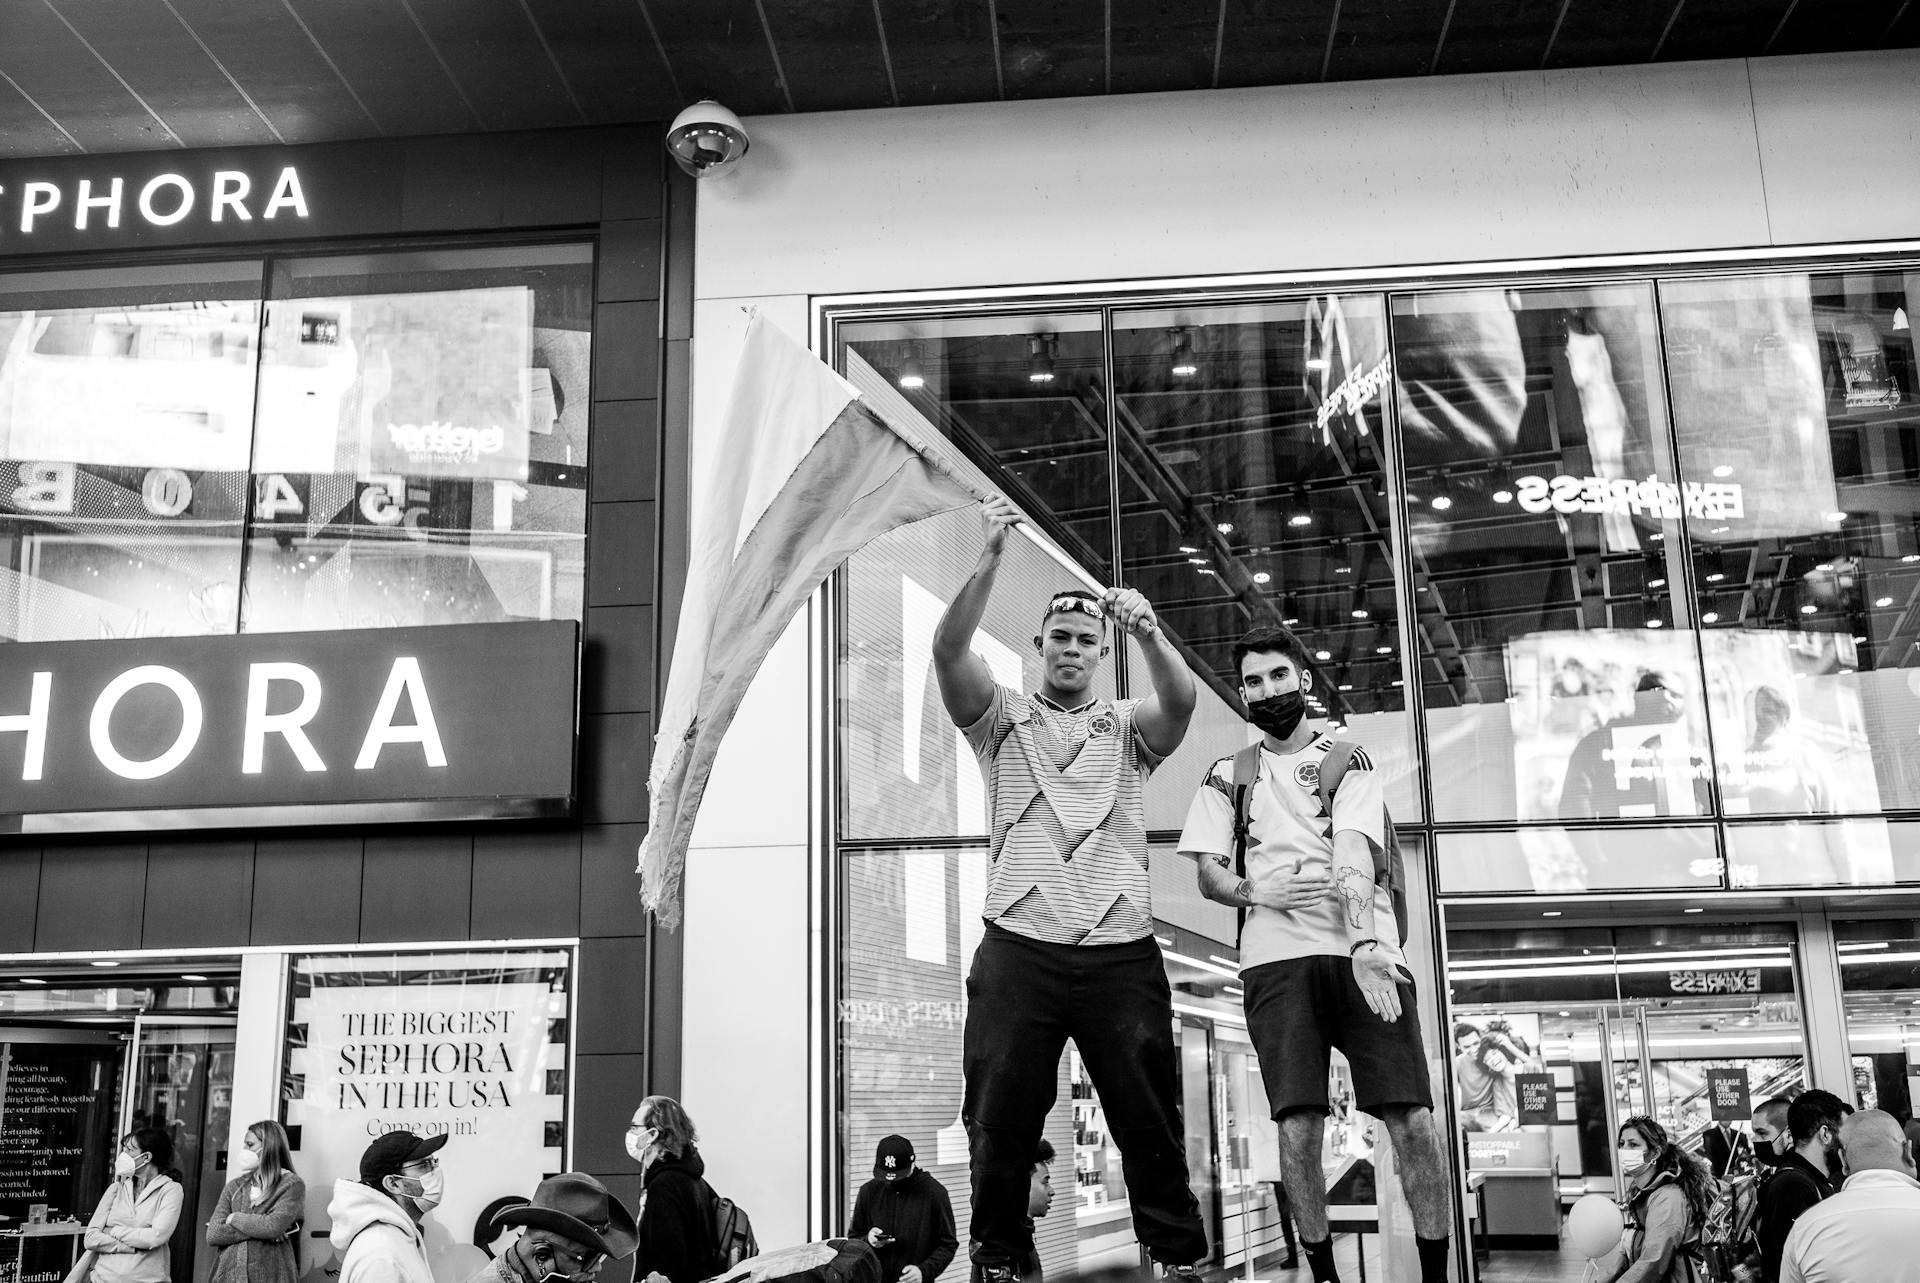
{"type": "Point", "coordinates": [573, 1227]}
{"type": "Point", "coordinates": [905, 1216]}
{"type": "Point", "coordinates": [376, 1219]}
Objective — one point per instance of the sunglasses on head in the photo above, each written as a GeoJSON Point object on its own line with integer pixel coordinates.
{"type": "Point", "coordinates": [1084, 605]}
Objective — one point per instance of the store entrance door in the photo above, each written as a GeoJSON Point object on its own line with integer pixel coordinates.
{"type": "Point", "coordinates": [180, 1080]}
{"type": "Point", "coordinates": [1561, 1034]}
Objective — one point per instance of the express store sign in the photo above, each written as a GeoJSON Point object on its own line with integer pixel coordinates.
{"type": "Point", "coordinates": [413, 723]}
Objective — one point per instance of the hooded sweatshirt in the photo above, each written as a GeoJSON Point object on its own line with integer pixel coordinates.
{"type": "Point", "coordinates": [917, 1212]}
{"type": "Point", "coordinates": [377, 1241]}
{"type": "Point", "coordinates": [676, 1220]}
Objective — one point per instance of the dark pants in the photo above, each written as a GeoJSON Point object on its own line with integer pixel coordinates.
{"type": "Point", "coordinates": [1025, 998]}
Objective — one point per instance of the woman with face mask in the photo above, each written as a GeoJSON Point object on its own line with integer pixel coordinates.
{"type": "Point", "coordinates": [1667, 1197]}
{"type": "Point", "coordinates": [253, 1225]}
{"type": "Point", "coordinates": [127, 1238]}
{"type": "Point", "coordinates": [676, 1229]}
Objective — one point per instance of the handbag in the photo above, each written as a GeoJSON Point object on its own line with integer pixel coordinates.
{"type": "Point", "coordinates": [81, 1268]}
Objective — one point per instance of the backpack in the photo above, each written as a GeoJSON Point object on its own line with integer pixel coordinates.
{"type": "Point", "coordinates": [1729, 1240]}
{"type": "Point", "coordinates": [1388, 869]}
{"type": "Point", "coordinates": [733, 1240]}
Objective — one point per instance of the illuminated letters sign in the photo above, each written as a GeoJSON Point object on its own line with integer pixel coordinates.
{"type": "Point", "coordinates": [66, 203]}
{"type": "Point", "coordinates": [1742, 980]}
{"type": "Point", "coordinates": [1649, 497]}
{"type": "Point", "coordinates": [410, 723]}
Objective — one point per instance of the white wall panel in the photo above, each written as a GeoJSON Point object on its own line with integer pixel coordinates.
{"type": "Point", "coordinates": [1839, 139]}
{"type": "Point", "coordinates": [1375, 173]}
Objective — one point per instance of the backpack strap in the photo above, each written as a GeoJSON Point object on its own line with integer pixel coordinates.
{"type": "Point", "coordinates": [1246, 770]}
{"type": "Point", "coordinates": [1387, 870]}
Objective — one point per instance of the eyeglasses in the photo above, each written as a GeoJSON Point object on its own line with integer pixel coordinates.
{"type": "Point", "coordinates": [428, 1164]}
{"type": "Point", "coordinates": [1084, 605]}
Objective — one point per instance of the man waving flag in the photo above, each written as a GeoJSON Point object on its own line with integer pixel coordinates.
{"type": "Point", "coordinates": [805, 476]}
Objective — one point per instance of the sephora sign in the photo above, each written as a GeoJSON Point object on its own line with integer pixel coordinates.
{"type": "Point", "coordinates": [458, 722]}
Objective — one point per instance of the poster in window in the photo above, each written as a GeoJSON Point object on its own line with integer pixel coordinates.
{"type": "Point", "coordinates": [472, 1046]}
{"type": "Point", "coordinates": [439, 383]}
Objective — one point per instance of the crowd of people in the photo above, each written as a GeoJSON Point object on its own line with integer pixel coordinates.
{"type": "Point", "coordinates": [1293, 833]}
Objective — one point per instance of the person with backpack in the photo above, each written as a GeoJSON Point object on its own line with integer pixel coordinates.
{"type": "Point", "coordinates": [675, 1216]}
{"type": "Point", "coordinates": [904, 1214]}
{"type": "Point", "coordinates": [1807, 1174]}
{"type": "Point", "coordinates": [1293, 832]}
{"type": "Point", "coordinates": [1669, 1194]}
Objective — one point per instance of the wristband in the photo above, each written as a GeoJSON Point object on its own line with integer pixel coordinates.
{"type": "Point", "coordinates": [1359, 945]}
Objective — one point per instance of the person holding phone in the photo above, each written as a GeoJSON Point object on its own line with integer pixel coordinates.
{"type": "Point", "coordinates": [905, 1216]}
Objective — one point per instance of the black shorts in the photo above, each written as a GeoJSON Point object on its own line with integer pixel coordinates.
{"type": "Point", "coordinates": [1300, 1008]}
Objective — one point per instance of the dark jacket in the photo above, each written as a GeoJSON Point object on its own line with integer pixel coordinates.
{"type": "Point", "coordinates": [253, 1246]}
{"type": "Point", "coordinates": [676, 1220]}
{"type": "Point", "coordinates": [919, 1215]}
{"type": "Point", "coordinates": [1660, 1246]}
{"type": "Point", "coordinates": [1794, 1186]}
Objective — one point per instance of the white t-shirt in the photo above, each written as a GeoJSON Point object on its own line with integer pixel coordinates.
{"type": "Point", "coordinates": [1868, 1230]}
{"type": "Point", "coordinates": [1287, 828]}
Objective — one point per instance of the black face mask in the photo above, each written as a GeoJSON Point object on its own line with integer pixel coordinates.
{"type": "Point", "coordinates": [1279, 715]}
{"type": "Point", "coordinates": [1767, 1155]}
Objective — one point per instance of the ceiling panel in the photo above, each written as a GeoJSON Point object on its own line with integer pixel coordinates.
{"type": "Point", "coordinates": [227, 71]}
{"type": "Point", "coordinates": [610, 58]}
{"type": "Point", "coordinates": [1722, 29]}
{"type": "Point", "coordinates": [1499, 35]}
{"type": "Point", "coordinates": [1053, 48]}
{"type": "Point", "coordinates": [500, 61]}
{"type": "Point", "coordinates": [388, 63]}
{"type": "Point", "coordinates": [50, 64]}
{"type": "Point", "coordinates": [264, 49]}
{"type": "Point", "coordinates": [160, 59]}
{"type": "Point", "coordinates": [941, 52]}
{"type": "Point", "coordinates": [1257, 50]}
{"type": "Point", "coordinates": [1159, 46]}
{"type": "Point", "coordinates": [1598, 33]}
{"type": "Point", "coordinates": [718, 49]}
{"type": "Point", "coordinates": [22, 124]}
{"type": "Point", "coordinates": [831, 53]}
{"type": "Point", "coordinates": [1379, 39]}
{"type": "Point", "coordinates": [1830, 26]}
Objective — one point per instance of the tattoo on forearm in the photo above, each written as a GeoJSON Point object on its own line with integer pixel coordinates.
{"type": "Point", "coordinates": [1356, 888]}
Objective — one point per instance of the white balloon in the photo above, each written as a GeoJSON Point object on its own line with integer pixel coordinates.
{"type": "Point", "coordinates": [1594, 1226]}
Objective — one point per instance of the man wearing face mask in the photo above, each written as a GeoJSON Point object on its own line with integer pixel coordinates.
{"type": "Point", "coordinates": [1805, 1175]}
{"type": "Point", "coordinates": [376, 1219]}
{"type": "Point", "coordinates": [574, 1225]}
{"type": "Point", "coordinates": [1320, 956]}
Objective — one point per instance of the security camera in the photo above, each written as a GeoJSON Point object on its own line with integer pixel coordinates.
{"type": "Point", "coordinates": [706, 139]}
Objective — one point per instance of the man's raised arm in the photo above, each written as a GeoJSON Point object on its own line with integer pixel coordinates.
{"type": "Point", "coordinates": [1163, 716]}
{"type": "Point", "coordinates": [966, 684]}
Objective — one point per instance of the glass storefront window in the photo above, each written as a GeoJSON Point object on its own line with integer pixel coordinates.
{"type": "Point", "coordinates": [421, 451]}
{"type": "Point", "coordinates": [1558, 1035]}
{"type": "Point", "coordinates": [1545, 556]}
{"type": "Point", "coordinates": [1556, 860]}
{"type": "Point", "coordinates": [1252, 491]}
{"type": "Point", "coordinates": [1880, 980]}
{"type": "Point", "coordinates": [1793, 402]}
{"type": "Point", "coordinates": [126, 404]}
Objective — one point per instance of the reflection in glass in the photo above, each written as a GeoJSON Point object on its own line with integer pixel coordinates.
{"type": "Point", "coordinates": [1880, 980]}
{"type": "Point", "coordinates": [1562, 860]}
{"type": "Point", "coordinates": [1252, 491]}
{"type": "Point", "coordinates": [1543, 511]}
{"type": "Point", "coordinates": [1558, 1035]}
{"type": "Point", "coordinates": [126, 401]}
{"type": "Point", "coordinates": [1794, 410]}
{"type": "Point", "coordinates": [421, 454]}
{"type": "Point", "coordinates": [1798, 853]}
